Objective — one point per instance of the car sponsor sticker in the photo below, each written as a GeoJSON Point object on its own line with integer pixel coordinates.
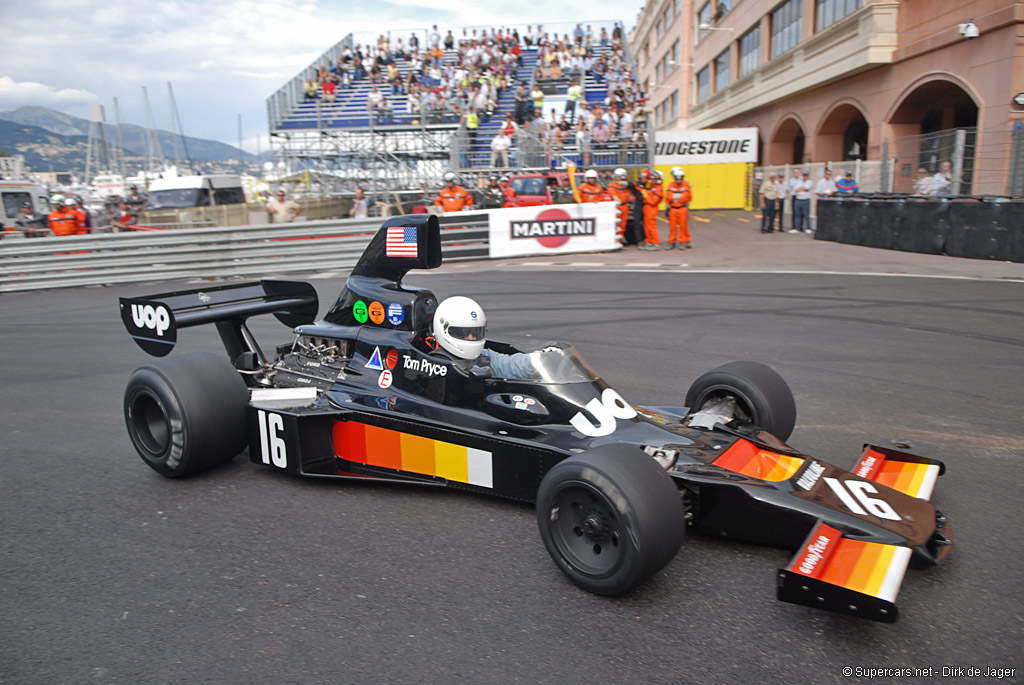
{"type": "Point", "coordinates": [375, 362]}
{"type": "Point", "coordinates": [606, 409]}
{"type": "Point", "coordinates": [391, 358]}
{"type": "Point", "coordinates": [386, 377]}
{"type": "Point", "coordinates": [376, 312]}
{"type": "Point", "coordinates": [359, 311]}
{"type": "Point", "coordinates": [396, 314]}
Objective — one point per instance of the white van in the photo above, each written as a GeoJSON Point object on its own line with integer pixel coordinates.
{"type": "Point", "coordinates": [14, 193]}
{"type": "Point", "coordinates": [183, 192]}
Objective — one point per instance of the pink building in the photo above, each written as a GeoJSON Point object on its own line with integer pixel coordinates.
{"type": "Point", "coordinates": [889, 82]}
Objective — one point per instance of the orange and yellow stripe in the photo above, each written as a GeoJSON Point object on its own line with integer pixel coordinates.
{"type": "Point", "coordinates": [375, 446]}
{"type": "Point", "coordinates": [869, 568]}
{"type": "Point", "coordinates": [746, 458]}
{"type": "Point", "coordinates": [916, 480]}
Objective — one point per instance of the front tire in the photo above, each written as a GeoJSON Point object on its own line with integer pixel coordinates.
{"type": "Point", "coordinates": [610, 518]}
{"type": "Point", "coordinates": [186, 414]}
{"type": "Point", "coordinates": [762, 396]}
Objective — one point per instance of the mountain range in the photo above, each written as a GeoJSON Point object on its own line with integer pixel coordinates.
{"type": "Point", "coordinates": [55, 141]}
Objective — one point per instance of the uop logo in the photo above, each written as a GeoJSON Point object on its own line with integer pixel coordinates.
{"type": "Point", "coordinates": [154, 318]}
{"type": "Point", "coordinates": [609, 407]}
{"type": "Point", "coordinates": [553, 228]}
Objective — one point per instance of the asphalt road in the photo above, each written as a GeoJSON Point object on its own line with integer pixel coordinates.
{"type": "Point", "coordinates": [113, 574]}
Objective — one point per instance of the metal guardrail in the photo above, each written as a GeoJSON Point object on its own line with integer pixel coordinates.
{"type": "Point", "coordinates": [220, 252]}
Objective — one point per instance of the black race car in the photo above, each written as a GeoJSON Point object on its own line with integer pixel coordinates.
{"type": "Point", "coordinates": [363, 395]}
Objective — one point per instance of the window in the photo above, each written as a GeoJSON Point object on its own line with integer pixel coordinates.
{"type": "Point", "coordinates": [786, 26]}
{"type": "Point", "coordinates": [703, 82]}
{"type": "Point", "coordinates": [675, 103]}
{"type": "Point", "coordinates": [676, 8]}
{"type": "Point", "coordinates": [658, 30]}
{"type": "Point", "coordinates": [829, 12]}
{"type": "Point", "coordinates": [722, 71]}
{"type": "Point", "coordinates": [750, 50]}
{"type": "Point", "coordinates": [675, 53]}
{"type": "Point", "coordinates": [703, 17]}
{"type": "Point", "coordinates": [12, 203]}
{"type": "Point", "coordinates": [657, 73]}
{"type": "Point", "coordinates": [666, 17]}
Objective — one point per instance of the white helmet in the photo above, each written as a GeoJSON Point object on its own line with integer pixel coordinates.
{"type": "Point", "coordinates": [657, 174]}
{"type": "Point", "coordinates": [450, 176]}
{"type": "Point", "coordinates": [57, 200]}
{"type": "Point", "coordinates": [677, 171]}
{"type": "Point", "coordinates": [591, 173]}
{"type": "Point", "coordinates": [620, 173]}
{"type": "Point", "coordinates": [460, 327]}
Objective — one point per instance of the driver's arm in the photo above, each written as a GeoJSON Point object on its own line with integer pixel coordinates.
{"type": "Point", "coordinates": [516, 365]}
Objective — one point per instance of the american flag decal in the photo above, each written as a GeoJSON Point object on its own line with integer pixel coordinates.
{"type": "Point", "coordinates": [402, 242]}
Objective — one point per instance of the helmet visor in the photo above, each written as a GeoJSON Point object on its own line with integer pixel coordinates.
{"type": "Point", "coordinates": [468, 332]}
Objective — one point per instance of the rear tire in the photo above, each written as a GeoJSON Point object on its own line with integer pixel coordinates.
{"type": "Point", "coordinates": [762, 396]}
{"type": "Point", "coordinates": [186, 414]}
{"type": "Point", "coordinates": [610, 518]}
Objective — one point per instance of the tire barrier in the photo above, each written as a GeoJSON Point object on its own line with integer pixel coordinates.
{"type": "Point", "coordinates": [975, 228]}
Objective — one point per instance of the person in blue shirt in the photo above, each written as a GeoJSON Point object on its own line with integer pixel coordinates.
{"type": "Point", "coordinates": [847, 184]}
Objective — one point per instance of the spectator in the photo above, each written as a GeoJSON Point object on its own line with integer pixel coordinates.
{"type": "Point", "coordinates": [63, 220]}
{"type": "Point", "coordinates": [361, 205]}
{"type": "Point", "coordinates": [847, 185]}
{"type": "Point", "coordinates": [574, 93]}
{"type": "Point", "coordinates": [800, 187]}
{"type": "Point", "coordinates": [923, 182]}
{"type": "Point", "coordinates": [330, 87]}
{"type": "Point", "coordinates": [136, 200]}
{"type": "Point", "coordinates": [769, 200]}
{"type": "Point", "coordinates": [124, 219]}
{"type": "Point", "coordinates": [943, 180]}
{"type": "Point", "coordinates": [500, 145]}
{"type": "Point", "coordinates": [28, 221]}
{"type": "Point", "coordinates": [825, 187]}
{"type": "Point", "coordinates": [600, 134]}
{"type": "Point", "coordinates": [312, 90]}
{"type": "Point", "coordinates": [282, 211]}
{"type": "Point", "coordinates": [449, 40]}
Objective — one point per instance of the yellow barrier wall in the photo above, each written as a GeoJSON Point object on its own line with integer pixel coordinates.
{"type": "Point", "coordinates": [717, 186]}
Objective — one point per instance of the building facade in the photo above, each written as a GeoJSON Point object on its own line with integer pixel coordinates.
{"type": "Point", "coordinates": [899, 83]}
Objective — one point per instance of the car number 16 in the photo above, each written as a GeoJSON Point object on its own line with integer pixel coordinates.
{"type": "Point", "coordinates": [272, 445]}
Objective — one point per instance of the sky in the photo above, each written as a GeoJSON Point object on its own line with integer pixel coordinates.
{"type": "Point", "coordinates": [223, 58]}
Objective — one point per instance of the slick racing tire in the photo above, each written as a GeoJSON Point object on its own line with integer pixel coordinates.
{"type": "Point", "coordinates": [762, 397]}
{"type": "Point", "coordinates": [610, 518]}
{"type": "Point", "coordinates": [186, 414]}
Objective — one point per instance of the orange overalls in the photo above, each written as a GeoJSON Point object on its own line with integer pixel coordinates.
{"type": "Point", "coordinates": [679, 196]}
{"type": "Point", "coordinates": [453, 199]}
{"type": "Point", "coordinates": [624, 196]}
{"type": "Point", "coordinates": [592, 192]}
{"type": "Point", "coordinates": [652, 198]}
{"type": "Point", "coordinates": [63, 222]}
{"type": "Point", "coordinates": [510, 196]}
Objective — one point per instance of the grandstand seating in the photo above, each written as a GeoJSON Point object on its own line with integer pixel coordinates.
{"type": "Point", "coordinates": [350, 111]}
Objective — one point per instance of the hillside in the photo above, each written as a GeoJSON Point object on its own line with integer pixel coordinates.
{"type": "Point", "coordinates": [52, 140]}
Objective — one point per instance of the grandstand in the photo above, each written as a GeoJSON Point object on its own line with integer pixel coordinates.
{"type": "Point", "coordinates": [398, 117]}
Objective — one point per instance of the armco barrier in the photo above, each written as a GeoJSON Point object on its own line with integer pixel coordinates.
{"type": "Point", "coordinates": [220, 252]}
{"type": "Point", "coordinates": [975, 228]}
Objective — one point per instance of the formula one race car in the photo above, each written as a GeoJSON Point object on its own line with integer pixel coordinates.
{"type": "Point", "coordinates": [363, 395]}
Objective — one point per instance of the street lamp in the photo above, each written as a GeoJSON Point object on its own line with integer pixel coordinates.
{"type": "Point", "coordinates": [708, 27]}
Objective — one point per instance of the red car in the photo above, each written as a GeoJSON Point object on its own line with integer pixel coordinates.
{"type": "Point", "coordinates": [538, 188]}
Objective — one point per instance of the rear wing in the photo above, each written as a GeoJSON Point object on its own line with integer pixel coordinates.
{"type": "Point", "coordinates": [853, 577]}
{"type": "Point", "coordinates": [153, 321]}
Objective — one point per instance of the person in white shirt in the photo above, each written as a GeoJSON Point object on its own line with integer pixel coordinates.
{"type": "Point", "coordinates": [500, 145]}
{"type": "Point", "coordinates": [825, 187]}
{"type": "Point", "coordinates": [942, 182]}
{"type": "Point", "coordinates": [800, 187]}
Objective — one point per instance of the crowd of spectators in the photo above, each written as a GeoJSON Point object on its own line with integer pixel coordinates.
{"type": "Point", "coordinates": [441, 87]}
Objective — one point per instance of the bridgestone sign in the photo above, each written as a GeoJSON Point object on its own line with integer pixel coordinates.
{"type": "Point", "coordinates": [709, 146]}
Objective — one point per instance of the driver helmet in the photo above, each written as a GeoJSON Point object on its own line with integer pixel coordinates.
{"type": "Point", "coordinates": [677, 172]}
{"type": "Point", "coordinates": [591, 174]}
{"type": "Point", "coordinates": [460, 327]}
{"type": "Point", "coordinates": [449, 177]}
